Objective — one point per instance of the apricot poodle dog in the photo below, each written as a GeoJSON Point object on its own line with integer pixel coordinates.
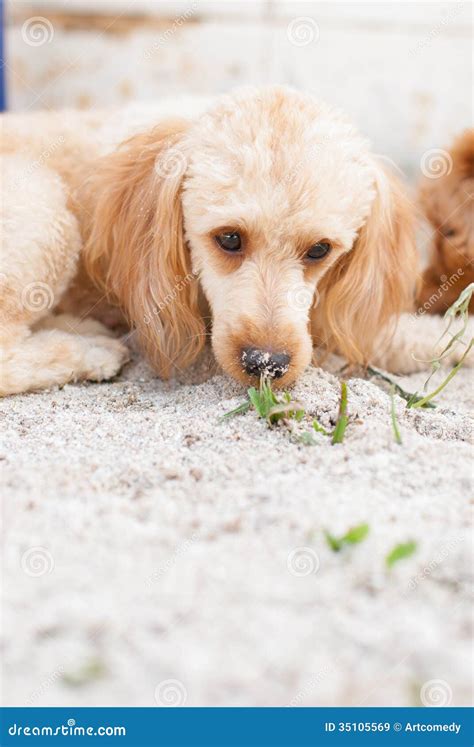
{"type": "Point", "coordinates": [263, 217]}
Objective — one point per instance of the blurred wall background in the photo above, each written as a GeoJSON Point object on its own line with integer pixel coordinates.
{"type": "Point", "coordinates": [401, 70]}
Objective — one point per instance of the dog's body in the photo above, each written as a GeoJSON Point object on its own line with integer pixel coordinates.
{"type": "Point", "coordinates": [213, 215]}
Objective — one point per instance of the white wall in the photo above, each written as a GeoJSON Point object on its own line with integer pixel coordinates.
{"type": "Point", "coordinates": [401, 70]}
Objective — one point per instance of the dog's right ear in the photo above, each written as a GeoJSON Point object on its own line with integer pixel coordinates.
{"type": "Point", "coordinates": [376, 281]}
{"type": "Point", "coordinates": [134, 243]}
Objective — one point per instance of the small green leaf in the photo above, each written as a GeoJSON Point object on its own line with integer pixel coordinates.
{"type": "Point", "coordinates": [399, 552]}
{"type": "Point", "coordinates": [353, 536]}
{"type": "Point", "coordinates": [93, 669]}
{"type": "Point", "coordinates": [319, 428]}
{"type": "Point", "coordinates": [333, 542]}
{"type": "Point", "coordinates": [356, 534]}
{"type": "Point", "coordinates": [255, 399]}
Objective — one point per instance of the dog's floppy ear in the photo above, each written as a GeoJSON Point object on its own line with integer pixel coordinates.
{"type": "Point", "coordinates": [366, 290]}
{"type": "Point", "coordinates": [135, 248]}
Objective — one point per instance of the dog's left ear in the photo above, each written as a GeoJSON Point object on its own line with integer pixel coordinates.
{"type": "Point", "coordinates": [375, 281]}
{"type": "Point", "coordinates": [135, 248]}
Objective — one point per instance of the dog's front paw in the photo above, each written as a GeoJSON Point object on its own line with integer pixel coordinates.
{"type": "Point", "coordinates": [104, 358]}
{"type": "Point", "coordinates": [92, 328]}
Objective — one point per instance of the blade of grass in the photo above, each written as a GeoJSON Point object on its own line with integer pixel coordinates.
{"type": "Point", "coordinates": [285, 410]}
{"type": "Point", "coordinates": [307, 437]}
{"type": "Point", "coordinates": [341, 425]}
{"type": "Point", "coordinates": [319, 428]}
{"type": "Point", "coordinates": [460, 308]}
{"type": "Point", "coordinates": [407, 396]}
{"type": "Point", "coordinates": [399, 552]}
{"type": "Point", "coordinates": [267, 398]}
{"type": "Point", "coordinates": [395, 428]}
{"type": "Point", "coordinates": [256, 401]}
{"type": "Point", "coordinates": [425, 400]}
{"type": "Point", "coordinates": [239, 410]}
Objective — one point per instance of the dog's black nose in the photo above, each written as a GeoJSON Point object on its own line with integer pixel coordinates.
{"type": "Point", "coordinates": [257, 362]}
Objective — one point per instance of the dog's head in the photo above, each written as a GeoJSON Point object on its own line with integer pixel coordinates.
{"type": "Point", "coordinates": [447, 199]}
{"type": "Point", "coordinates": [273, 206]}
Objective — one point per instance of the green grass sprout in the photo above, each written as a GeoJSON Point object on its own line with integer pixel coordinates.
{"type": "Point", "coordinates": [319, 428]}
{"type": "Point", "coordinates": [91, 670]}
{"type": "Point", "coordinates": [272, 408]}
{"type": "Point", "coordinates": [268, 405]}
{"type": "Point", "coordinates": [287, 408]}
{"type": "Point", "coordinates": [341, 425]}
{"type": "Point", "coordinates": [399, 552]}
{"type": "Point", "coordinates": [352, 537]}
{"type": "Point", "coordinates": [395, 428]}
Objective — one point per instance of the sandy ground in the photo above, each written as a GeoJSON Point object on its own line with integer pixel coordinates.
{"type": "Point", "coordinates": [153, 554]}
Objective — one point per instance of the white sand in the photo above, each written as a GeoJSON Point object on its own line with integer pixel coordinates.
{"type": "Point", "coordinates": [167, 536]}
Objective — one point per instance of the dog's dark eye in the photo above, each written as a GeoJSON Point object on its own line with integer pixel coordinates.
{"type": "Point", "coordinates": [448, 232]}
{"type": "Point", "coordinates": [230, 241]}
{"type": "Point", "coordinates": [319, 250]}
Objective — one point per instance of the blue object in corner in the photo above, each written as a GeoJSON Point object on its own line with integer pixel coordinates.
{"type": "Point", "coordinates": [2, 64]}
